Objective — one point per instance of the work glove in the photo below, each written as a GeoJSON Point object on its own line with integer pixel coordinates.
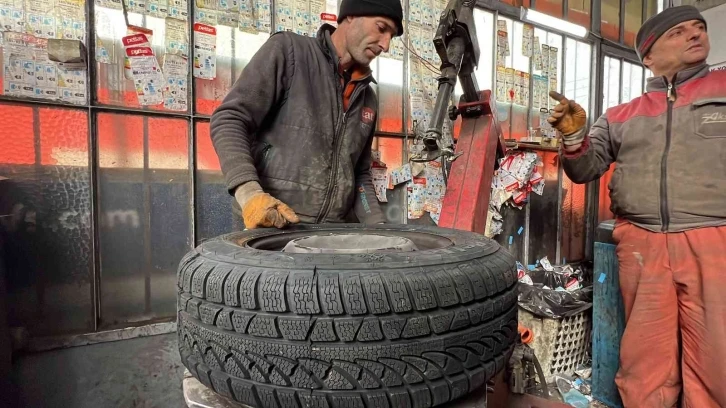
{"type": "Point", "coordinates": [261, 210]}
{"type": "Point", "coordinates": [569, 118]}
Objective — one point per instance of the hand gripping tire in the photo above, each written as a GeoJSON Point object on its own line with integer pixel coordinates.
{"type": "Point", "coordinates": [272, 329]}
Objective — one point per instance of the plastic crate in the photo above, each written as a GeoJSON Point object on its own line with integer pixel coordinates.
{"type": "Point", "coordinates": [559, 344]}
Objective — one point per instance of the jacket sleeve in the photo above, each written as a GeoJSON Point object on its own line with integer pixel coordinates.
{"type": "Point", "coordinates": [366, 205]}
{"type": "Point", "coordinates": [260, 88]}
{"type": "Point", "coordinates": [594, 157]}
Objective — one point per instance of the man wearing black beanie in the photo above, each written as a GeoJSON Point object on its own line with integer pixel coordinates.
{"type": "Point", "coordinates": [294, 134]}
{"type": "Point", "coordinates": [668, 192]}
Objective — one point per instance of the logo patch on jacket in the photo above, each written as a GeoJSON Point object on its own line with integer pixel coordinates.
{"type": "Point", "coordinates": [367, 117]}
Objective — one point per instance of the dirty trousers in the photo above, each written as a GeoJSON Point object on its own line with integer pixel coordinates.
{"type": "Point", "coordinates": [674, 293]}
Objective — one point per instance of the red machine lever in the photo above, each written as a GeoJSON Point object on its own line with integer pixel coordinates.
{"type": "Point", "coordinates": [468, 189]}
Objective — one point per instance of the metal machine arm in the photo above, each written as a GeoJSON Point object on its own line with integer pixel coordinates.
{"type": "Point", "coordinates": [457, 46]}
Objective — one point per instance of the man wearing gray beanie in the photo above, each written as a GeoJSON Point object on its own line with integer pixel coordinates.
{"type": "Point", "coordinates": [668, 192]}
{"type": "Point", "coordinates": [294, 134]}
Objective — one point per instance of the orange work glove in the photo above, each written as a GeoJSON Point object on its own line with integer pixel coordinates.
{"type": "Point", "coordinates": [569, 118]}
{"type": "Point", "coordinates": [264, 211]}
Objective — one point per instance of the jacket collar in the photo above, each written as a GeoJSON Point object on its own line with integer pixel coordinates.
{"type": "Point", "coordinates": [660, 84]}
{"type": "Point", "coordinates": [326, 43]}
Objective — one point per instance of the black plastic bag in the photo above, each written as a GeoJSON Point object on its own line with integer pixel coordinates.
{"type": "Point", "coordinates": [551, 303]}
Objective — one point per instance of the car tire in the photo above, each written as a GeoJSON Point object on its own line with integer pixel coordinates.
{"type": "Point", "coordinates": [372, 330]}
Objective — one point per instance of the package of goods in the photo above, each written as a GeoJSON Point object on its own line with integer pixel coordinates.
{"type": "Point", "coordinates": [537, 49]}
{"type": "Point", "coordinates": [379, 172]}
{"type": "Point", "coordinates": [264, 15]}
{"type": "Point", "coordinates": [284, 15]}
{"type": "Point", "coordinates": [176, 70]}
{"type": "Point", "coordinates": [205, 12]}
{"type": "Point", "coordinates": [176, 41]}
{"type": "Point", "coordinates": [494, 225]}
{"type": "Point", "coordinates": [205, 51]}
{"type": "Point", "coordinates": [301, 18]}
{"type": "Point", "coordinates": [528, 40]}
{"type": "Point", "coordinates": [247, 16]}
{"type": "Point", "coordinates": [401, 174]}
{"type": "Point", "coordinates": [178, 9]}
{"type": "Point", "coordinates": [435, 189]}
{"type": "Point", "coordinates": [145, 71]}
{"type": "Point", "coordinates": [228, 14]}
{"type": "Point", "coordinates": [512, 183]}
{"type": "Point", "coordinates": [12, 16]}
{"type": "Point", "coordinates": [157, 8]}
{"type": "Point", "coordinates": [416, 197]}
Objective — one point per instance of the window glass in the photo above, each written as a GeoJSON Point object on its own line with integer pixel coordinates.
{"type": "Point", "coordinates": [610, 19]}
{"type": "Point", "coordinates": [578, 79]}
{"type": "Point", "coordinates": [144, 209]}
{"type": "Point", "coordinates": [652, 7]}
{"type": "Point", "coordinates": [579, 12]}
{"type": "Point", "coordinates": [45, 219]}
{"type": "Point", "coordinates": [632, 82]}
{"type": "Point", "coordinates": [235, 48]}
{"type": "Point", "coordinates": [551, 7]}
{"type": "Point", "coordinates": [633, 20]}
{"type": "Point", "coordinates": [484, 21]}
{"type": "Point", "coordinates": [389, 75]}
{"type": "Point", "coordinates": [611, 83]}
{"type": "Point", "coordinates": [214, 205]}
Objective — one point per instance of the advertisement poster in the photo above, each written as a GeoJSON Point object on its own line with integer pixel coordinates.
{"type": "Point", "coordinates": [205, 51]}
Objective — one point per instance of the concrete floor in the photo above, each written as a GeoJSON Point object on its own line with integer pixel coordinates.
{"type": "Point", "coordinates": [138, 373]}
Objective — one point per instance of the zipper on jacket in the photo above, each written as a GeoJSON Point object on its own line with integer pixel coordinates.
{"type": "Point", "coordinates": [664, 216]}
{"type": "Point", "coordinates": [337, 137]}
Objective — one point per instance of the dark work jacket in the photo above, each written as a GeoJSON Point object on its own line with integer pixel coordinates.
{"type": "Point", "coordinates": [284, 125]}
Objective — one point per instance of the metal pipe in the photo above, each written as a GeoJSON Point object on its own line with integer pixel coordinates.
{"type": "Point", "coordinates": [447, 82]}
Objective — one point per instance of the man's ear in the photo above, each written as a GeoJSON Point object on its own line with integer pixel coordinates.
{"type": "Point", "coordinates": [647, 61]}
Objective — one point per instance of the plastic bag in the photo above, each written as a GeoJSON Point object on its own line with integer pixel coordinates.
{"type": "Point", "coordinates": [545, 297]}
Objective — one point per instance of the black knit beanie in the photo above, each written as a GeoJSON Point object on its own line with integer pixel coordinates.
{"type": "Point", "coordinates": [656, 26]}
{"type": "Point", "coordinates": [379, 8]}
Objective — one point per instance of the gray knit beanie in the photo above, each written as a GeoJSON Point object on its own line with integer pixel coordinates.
{"type": "Point", "coordinates": [657, 25]}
